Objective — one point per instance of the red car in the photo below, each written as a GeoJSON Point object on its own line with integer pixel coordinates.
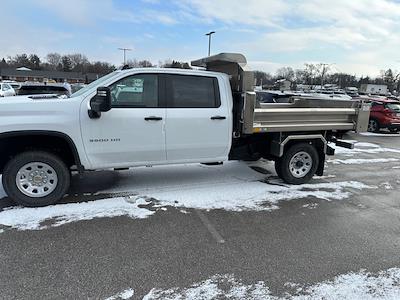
{"type": "Point", "coordinates": [385, 113]}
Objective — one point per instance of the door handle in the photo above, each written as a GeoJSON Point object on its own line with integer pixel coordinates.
{"type": "Point", "coordinates": [152, 118]}
{"type": "Point", "coordinates": [218, 118]}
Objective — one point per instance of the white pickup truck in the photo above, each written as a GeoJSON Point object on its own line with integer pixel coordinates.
{"type": "Point", "coordinates": [140, 117]}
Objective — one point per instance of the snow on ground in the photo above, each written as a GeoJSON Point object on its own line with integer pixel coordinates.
{"type": "Point", "coordinates": [256, 196]}
{"type": "Point", "coordinates": [352, 286]}
{"type": "Point", "coordinates": [28, 218]}
{"type": "Point", "coordinates": [380, 134]}
{"type": "Point", "coordinates": [361, 161]}
{"type": "Point", "coordinates": [127, 294]}
{"type": "Point", "coordinates": [310, 205]}
{"type": "Point", "coordinates": [233, 186]}
{"type": "Point", "coordinates": [360, 147]}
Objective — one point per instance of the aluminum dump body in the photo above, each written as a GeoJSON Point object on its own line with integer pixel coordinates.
{"type": "Point", "coordinates": [300, 114]}
{"type": "Point", "coordinates": [310, 114]}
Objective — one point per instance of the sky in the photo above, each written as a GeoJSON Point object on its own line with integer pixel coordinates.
{"type": "Point", "coordinates": [358, 37]}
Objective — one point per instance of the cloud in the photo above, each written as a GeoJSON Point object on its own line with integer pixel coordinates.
{"type": "Point", "coordinates": [251, 12]}
{"type": "Point", "coordinates": [358, 35]}
{"type": "Point", "coordinates": [362, 35]}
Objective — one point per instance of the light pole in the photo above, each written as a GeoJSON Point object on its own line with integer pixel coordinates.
{"type": "Point", "coordinates": [209, 41]}
{"type": "Point", "coordinates": [125, 49]}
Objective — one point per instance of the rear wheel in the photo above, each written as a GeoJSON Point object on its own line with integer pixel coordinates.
{"type": "Point", "coordinates": [36, 178]}
{"type": "Point", "coordinates": [373, 126]}
{"type": "Point", "coordinates": [298, 164]}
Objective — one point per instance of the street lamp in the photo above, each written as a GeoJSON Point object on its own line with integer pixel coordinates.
{"type": "Point", "coordinates": [124, 49]}
{"type": "Point", "coordinates": [209, 41]}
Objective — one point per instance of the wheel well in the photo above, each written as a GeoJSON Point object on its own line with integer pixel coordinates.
{"type": "Point", "coordinates": [62, 146]}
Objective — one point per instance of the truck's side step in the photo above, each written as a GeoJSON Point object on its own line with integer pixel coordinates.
{"type": "Point", "coordinates": [213, 163]}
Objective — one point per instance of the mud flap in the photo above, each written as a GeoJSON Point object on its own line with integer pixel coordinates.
{"type": "Point", "coordinates": [321, 164]}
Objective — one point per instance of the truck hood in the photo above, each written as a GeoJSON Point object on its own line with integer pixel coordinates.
{"type": "Point", "coordinates": [36, 105]}
{"type": "Point", "coordinates": [24, 113]}
{"type": "Point", "coordinates": [18, 100]}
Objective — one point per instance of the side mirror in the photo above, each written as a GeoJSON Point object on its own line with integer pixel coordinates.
{"type": "Point", "coordinates": [100, 103]}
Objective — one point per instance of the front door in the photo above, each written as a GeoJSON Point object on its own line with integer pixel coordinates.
{"type": "Point", "coordinates": [198, 126]}
{"type": "Point", "coordinates": [132, 132]}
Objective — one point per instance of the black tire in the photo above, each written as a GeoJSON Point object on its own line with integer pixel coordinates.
{"type": "Point", "coordinates": [283, 164]}
{"type": "Point", "coordinates": [278, 166]}
{"type": "Point", "coordinates": [374, 126]}
{"type": "Point", "coordinates": [19, 161]}
{"type": "Point", "coordinates": [394, 130]}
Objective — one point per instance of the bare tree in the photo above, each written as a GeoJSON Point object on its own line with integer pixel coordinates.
{"type": "Point", "coordinates": [285, 73]}
{"type": "Point", "coordinates": [53, 60]}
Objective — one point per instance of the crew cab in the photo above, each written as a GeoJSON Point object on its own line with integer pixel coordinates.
{"type": "Point", "coordinates": [385, 114]}
{"type": "Point", "coordinates": [140, 117]}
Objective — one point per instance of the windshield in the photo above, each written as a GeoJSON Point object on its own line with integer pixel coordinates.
{"type": "Point", "coordinates": [394, 107]}
{"type": "Point", "coordinates": [93, 84]}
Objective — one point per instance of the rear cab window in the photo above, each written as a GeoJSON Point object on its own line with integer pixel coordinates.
{"type": "Point", "coordinates": [191, 91]}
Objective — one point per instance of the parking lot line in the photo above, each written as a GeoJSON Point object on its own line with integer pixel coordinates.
{"type": "Point", "coordinates": [210, 227]}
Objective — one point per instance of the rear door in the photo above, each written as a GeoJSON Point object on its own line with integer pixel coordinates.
{"type": "Point", "coordinates": [198, 122]}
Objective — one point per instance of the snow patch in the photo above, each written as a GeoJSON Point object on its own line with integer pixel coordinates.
{"type": "Point", "coordinates": [361, 285]}
{"type": "Point", "coordinates": [324, 177]}
{"type": "Point", "coordinates": [361, 147]}
{"type": "Point", "coordinates": [29, 218]}
{"type": "Point", "coordinates": [127, 294]}
{"type": "Point", "coordinates": [216, 287]}
{"type": "Point", "coordinates": [361, 161]}
{"type": "Point", "coordinates": [233, 187]}
{"type": "Point", "coordinates": [258, 196]}
{"type": "Point", "coordinates": [386, 185]}
{"type": "Point", "coordinates": [310, 205]}
{"type": "Point", "coordinates": [379, 134]}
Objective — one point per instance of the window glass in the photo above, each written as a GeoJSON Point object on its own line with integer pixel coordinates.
{"type": "Point", "coordinates": [393, 107]}
{"type": "Point", "coordinates": [192, 91]}
{"type": "Point", "coordinates": [97, 82]}
{"type": "Point", "coordinates": [135, 91]}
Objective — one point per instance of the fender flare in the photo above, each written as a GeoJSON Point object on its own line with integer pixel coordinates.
{"type": "Point", "coordinates": [51, 133]}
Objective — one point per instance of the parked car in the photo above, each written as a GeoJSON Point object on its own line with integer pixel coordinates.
{"type": "Point", "coordinates": [44, 88]}
{"type": "Point", "coordinates": [385, 113]}
{"type": "Point", "coordinates": [6, 90]}
{"type": "Point", "coordinates": [15, 85]}
{"type": "Point", "coordinates": [352, 91]}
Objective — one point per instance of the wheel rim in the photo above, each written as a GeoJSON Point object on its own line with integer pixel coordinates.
{"type": "Point", "coordinates": [372, 125]}
{"type": "Point", "coordinates": [300, 164]}
{"type": "Point", "coordinates": [36, 179]}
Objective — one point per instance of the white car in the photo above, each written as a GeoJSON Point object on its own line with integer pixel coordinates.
{"type": "Point", "coordinates": [6, 90]}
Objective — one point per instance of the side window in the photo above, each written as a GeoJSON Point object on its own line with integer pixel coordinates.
{"type": "Point", "coordinates": [185, 91]}
{"type": "Point", "coordinates": [5, 87]}
{"type": "Point", "coordinates": [135, 91]}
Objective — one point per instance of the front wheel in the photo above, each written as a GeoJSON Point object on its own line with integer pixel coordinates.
{"type": "Point", "coordinates": [36, 178]}
{"type": "Point", "coordinates": [298, 164]}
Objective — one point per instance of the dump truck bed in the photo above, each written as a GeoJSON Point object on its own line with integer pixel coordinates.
{"type": "Point", "coordinates": [306, 114]}
{"type": "Point", "coordinates": [300, 114]}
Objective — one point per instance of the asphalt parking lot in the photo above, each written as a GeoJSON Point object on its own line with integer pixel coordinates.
{"type": "Point", "coordinates": [205, 232]}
